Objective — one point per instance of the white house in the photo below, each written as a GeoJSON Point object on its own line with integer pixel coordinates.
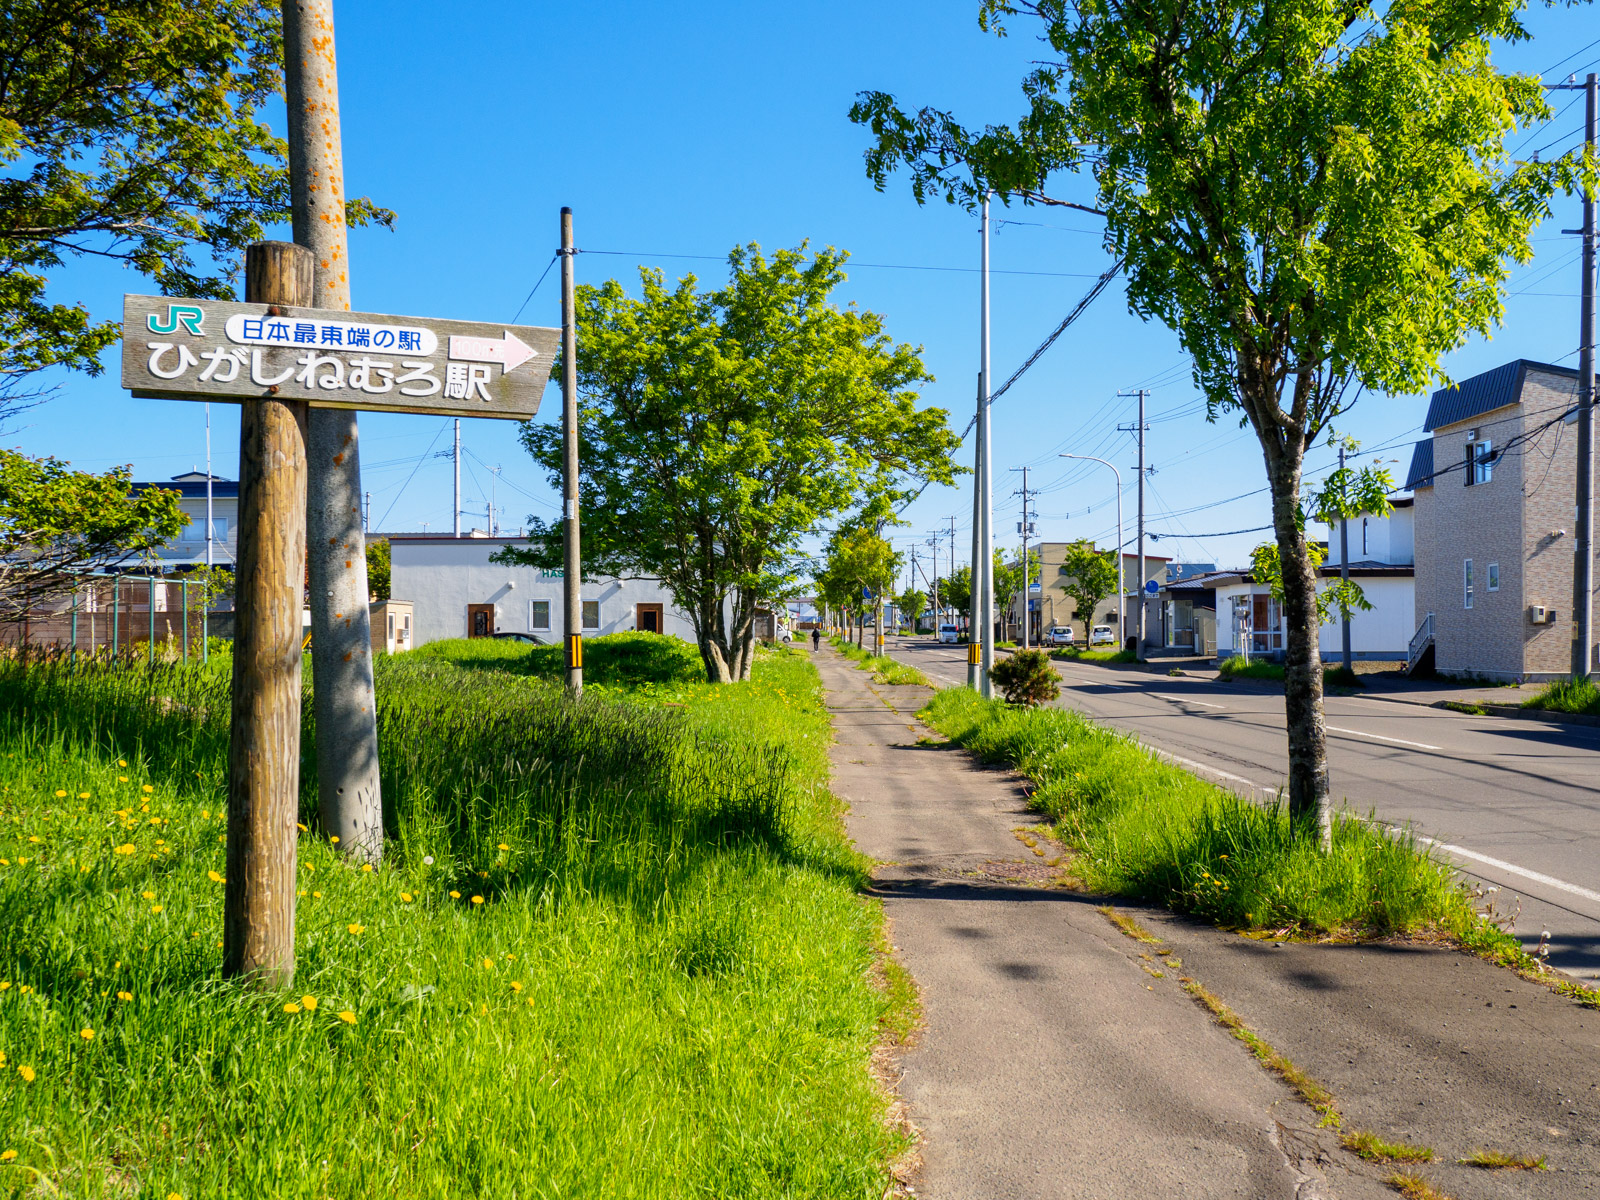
{"type": "Point", "coordinates": [189, 547]}
{"type": "Point", "coordinates": [1382, 564]}
{"type": "Point", "coordinates": [455, 591]}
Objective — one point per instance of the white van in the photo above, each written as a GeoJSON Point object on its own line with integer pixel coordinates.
{"type": "Point", "coordinates": [950, 633]}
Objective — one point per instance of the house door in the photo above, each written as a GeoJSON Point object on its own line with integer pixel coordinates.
{"type": "Point", "coordinates": [649, 618]}
{"type": "Point", "coordinates": [480, 620]}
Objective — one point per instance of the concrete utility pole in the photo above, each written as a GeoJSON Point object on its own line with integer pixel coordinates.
{"type": "Point", "coordinates": [572, 572]}
{"type": "Point", "coordinates": [1344, 576]}
{"type": "Point", "coordinates": [1139, 428]}
{"type": "Point", "coordinates": [264, 725]}
{"type": "Point", "coordinates": [349, 794]}
{"type": "Point", "coordinates": [985, 565]}
{"type": "Point", "coordinates": [457, 506]}
{"type": "Point", "coordinates": [974, 646]}
{"type": "Point", "coordinates": [1583, 527]}
{"type": "Point", "coordinates": [1024, 529]}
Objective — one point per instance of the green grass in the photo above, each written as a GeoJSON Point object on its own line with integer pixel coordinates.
{"type": "Point", "coordinates": [1146, 829]}
{"type": "Point", "coordinates": [884, 669]}
{"type": "Point", "coordinates": [1365, 1144]}
{"type": "Point", "coordinates": [666, 991]}
{"type": "Point", "coordinates": [1500, 1160]}
{"type": "Point", "coordinates": [1260, 668]}
{"type": "Point", "coordinates": [1095, 656]}
{"type": "Point", "coordinates": [1578, 695]}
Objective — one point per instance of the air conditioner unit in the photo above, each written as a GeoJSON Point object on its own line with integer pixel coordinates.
{"type": "Point", "coordinates": [1538, 614]}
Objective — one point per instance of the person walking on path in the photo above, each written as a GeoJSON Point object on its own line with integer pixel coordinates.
{"type": "Point", "coordinates": [816, 639]}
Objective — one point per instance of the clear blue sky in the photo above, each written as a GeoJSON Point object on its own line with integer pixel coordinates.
{"type": "Point", "coordinates": [682, 130]}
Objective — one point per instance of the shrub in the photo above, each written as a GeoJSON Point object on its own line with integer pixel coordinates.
{"type": "Point", "coordinates": [1026, 677]}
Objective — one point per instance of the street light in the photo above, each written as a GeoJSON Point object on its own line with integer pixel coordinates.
{"type": "Point", "coordinates": [1122, 598]}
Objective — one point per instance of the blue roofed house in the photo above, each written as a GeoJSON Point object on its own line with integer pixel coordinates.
{"type": "Point", "coordinates": [1493, 485]}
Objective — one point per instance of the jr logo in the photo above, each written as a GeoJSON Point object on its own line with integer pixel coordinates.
{"type": "Point", "coordinates": [187, 315]}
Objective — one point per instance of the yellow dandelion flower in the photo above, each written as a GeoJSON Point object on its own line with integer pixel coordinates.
{"type": "Point", "coordinates": [127, 848]}
{"type": "Point", "coordinates": [309, 1003]}
{"type": "Point", "coordinates": [149, 895]}
{"type": "Point", "coordinates": [488, 964]}
{"type": "Point", "coordinates": [214, 876]}
{"type": "Point", "coordinates": [174, 1196]}
{"type": "Point", "coordinates": [484, 1010]}
{"type": "Point", "coordinates": [515, 986]}
{"type": "Point", "coordinates": [316, 895]}
{"type": "Point", "coordinates": [122, 779]}
{"type": "Point", "coordinates": [124, 996]}
{"type": "Point", "coordinates": [205, 814]}
{"type": "Point", "coordinates": [477, 899]}
{"type": "Point", "coordinates": [301, 826]}
{"type": "Point", "coordinates": [33, 839]}
{"type": "Point", "coordinates": [405, 897]}
{"type": "Point", "coordinates": [22, 862]}
{"type": "Point", "coordinates": [291, 1007]}
{"type": "Point", "coordinates": [83, 795]}
{"type": "Point", "coordinates": [455, 895]}
{"type": "Point", "coordinates": [60, 792]}
{"type": "Point", "coordinates": [155, 908]}
{"type": "Point", "coordinates": [121, 763]}
{"type": "Point", "coordinates": [334, 839]}
{"type": "Point", "coordinates": [503, 846]}
{"type": "Point", "coordinates": [26, 1073]}
{"type": "Point", "coordinates": [5, 862]}
{"type": "Point", "coordinates": [24, 990]}
{"type": "Point", "coordinates": [147, 787]}
{"type": "Point", "coordinates": [530, 1001]}
{"type": "Point", "coordinates": [356, 930]}
{"type": "Point", "coordinates": [366, 867]}
{"type": "Point", "coordinates": [4, 986]}
{"type": "Point", "coordinates": [7, 1155]}
{"type": "Point", "coordinates": [161, 841]}
{"type": "Point", "coordinates": [86, 1034]}
{"type": "Point", "coordinates": [348, 1017]}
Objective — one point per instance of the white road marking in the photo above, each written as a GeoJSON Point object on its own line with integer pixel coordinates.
{"type": "Point", "coordinates": [1209, 770]}
{"type": "Point", "coordinates": [1186, 700]}
{"type": "Point", "coordinates": [1381, 738]}
{"type": "Point", "coordinates": [1500, 864]}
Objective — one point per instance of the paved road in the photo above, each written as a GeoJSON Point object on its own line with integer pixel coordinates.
{"type": "Point", "coordinates": [1514, 803]}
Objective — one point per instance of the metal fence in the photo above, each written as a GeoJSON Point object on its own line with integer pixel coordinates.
{"type": "Point", "coordinates": [99, 612]}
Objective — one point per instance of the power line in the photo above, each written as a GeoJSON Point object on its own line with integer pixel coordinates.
{"type": "Point", "coordinates": [547, 267]}
{"type": "Point", "coordinates": [874, 266]}
{"type": "Point", "coordinates": [414, 470]}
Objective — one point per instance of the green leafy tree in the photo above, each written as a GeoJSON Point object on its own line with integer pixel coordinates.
{"type": "Point", "coordinates": [129, 130]}
{"type": "Point", "coordinates": [378, 568]}
{"type": "Point", "coordinates": [1089, 576]}
{"type": "Point", "coordinates": [1316, 197]}
{"type": "Point", "coordinates": [1010, 579]}
{"type": "Point", "coordinates": [912, 603]}
{"type": "Point", "coordinates": [861, 562]}
{"type": "Point", "coordinates": [719, 428]}
{"type": "Point", "coordinates": [955, 591]}
{"type": "Point", "coordinates": [56, 522]}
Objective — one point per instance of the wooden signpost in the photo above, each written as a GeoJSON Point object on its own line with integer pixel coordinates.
{"type": "Point", "coordinates": [279, 357]}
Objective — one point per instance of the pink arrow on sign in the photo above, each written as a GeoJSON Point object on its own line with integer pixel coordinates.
{"type": "Point", "coordinates": [509, 351]}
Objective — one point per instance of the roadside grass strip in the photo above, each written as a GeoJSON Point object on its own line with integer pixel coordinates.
{"type": "Point", "coordinates": [1317, 1097]}
{"type": "Point", "coordinates": [1095, 656]}
{"type": "Point", "coordinates": [1365, 1144]}
{"type": "Point", "coordinates": [884, 669]}
{"type": "Point", "coordinates": [614, 949]}
{"type": "Point", "coordinates": [1414, 1187]}
{"type": "Point", "coordinates": [1238, 667]}
{"type": "Point", "coordinates": [1568, 696]}
{"type": "Point", "coordinates": [1147, 829]}
{"type": "Point", "coordinates": [1499, 1160]}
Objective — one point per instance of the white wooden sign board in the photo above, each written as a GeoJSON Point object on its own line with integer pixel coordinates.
{"type": "Point", "coordinates": [181, 349]}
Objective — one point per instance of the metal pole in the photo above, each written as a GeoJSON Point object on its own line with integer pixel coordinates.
{"type": "Point", "coordinates": [73, 653]}
{"type": "Point", "coordinates": [573, 561]}
{"type": "Point", "coordinates": [457, 517]}
{"type": "Point", "coordinates": [1583, 564]}
{"type": "Point", "coordinates": [1344, 575]}
{"type": "Point", "coordinates": [986, 483]}
{"type": "Point", "coordinates": [974, 583]}
{"type": "Point", "coordinates": [116, 611]}
{"type": "Point", "coordinates": [1122, 591]}
{"type": "Point", "coordinates": [349, 791]}
{"type": "Point", "coordinates": [152, 615]}
{"type": "Point", "coordinates": [184, 584]}
{"type": "Point", "coordinates": [1025, 571]}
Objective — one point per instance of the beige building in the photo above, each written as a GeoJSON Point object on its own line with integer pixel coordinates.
{"type": "Point", "coordinates": [1055, 607]}
{"type": "Point", "coordinates": [1494, 488]}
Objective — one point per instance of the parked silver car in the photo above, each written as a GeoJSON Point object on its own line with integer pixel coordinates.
{"type": "Point", "coordinates": [1058, 635]}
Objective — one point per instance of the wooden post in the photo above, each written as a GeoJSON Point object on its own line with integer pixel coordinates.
{"type": "Point", "coordinates": [572, 570]}
{"type": "Point", "coordinates": [264, 740]}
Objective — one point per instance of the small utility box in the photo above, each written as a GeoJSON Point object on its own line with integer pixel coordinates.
{"type": "Point", "coordinates": [391, 626]}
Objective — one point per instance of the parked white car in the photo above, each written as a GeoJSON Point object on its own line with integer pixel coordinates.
{"type": "Point", "coordinates": [1102, 635]}
{"type": "Point", "coordinates": [1058, 635]}
{"type": "Point", "coordinates": [950, 633]}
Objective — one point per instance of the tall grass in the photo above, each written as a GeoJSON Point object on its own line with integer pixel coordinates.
{"type": "Point", "coordinates": [1239, 667]}
{"type": "Point", "coordinates": [1147, 829]}
{"type": "Point", "coordinates": [884, 669]}
{"type": "Point", "coordinates": [1578, 695]}
{"type": "Point", "coordinates": [615, 949]}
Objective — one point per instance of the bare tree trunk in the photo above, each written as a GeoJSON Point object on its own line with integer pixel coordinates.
{"type": "Point", "coordinates": [1309, 806]}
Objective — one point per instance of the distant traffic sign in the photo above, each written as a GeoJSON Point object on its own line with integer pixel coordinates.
{"type": "Point", "coordinates": [182, 349]}
{"type": "Point", "coordinates": [1151, 587]}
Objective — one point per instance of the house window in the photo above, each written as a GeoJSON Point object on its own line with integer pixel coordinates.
{"type": "Point", "coordinates": [1493, 582]}
{"type": "Point", "coordinates": [1466, 584]}
{"type": "Point", "coordinates": [538, 614]}
{"type": "Point", "coordinates": [1480, 459]}
{"type": "Point", "coordinates": [1363, 537]}
{"type": "Point", "coordinates": [591, 614]}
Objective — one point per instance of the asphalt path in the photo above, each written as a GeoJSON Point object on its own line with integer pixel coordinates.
{"type": "Point", "coordinates": [1515, 804]}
